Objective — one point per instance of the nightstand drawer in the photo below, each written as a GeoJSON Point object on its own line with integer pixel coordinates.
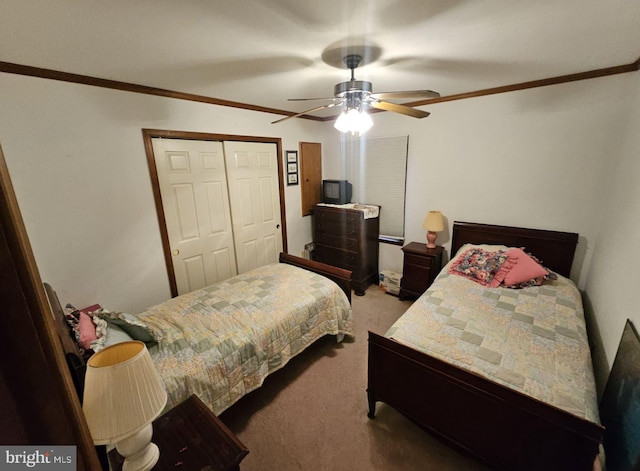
{"type": "Point", "coordinates": [416, 281]}
{"type": "Point", "coordinates": [426, 262]}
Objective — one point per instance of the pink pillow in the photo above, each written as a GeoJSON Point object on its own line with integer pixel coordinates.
{"type": "Point", "coordinates": [87, 330]}
{"type": "Point", "coordinates": [524, 269]}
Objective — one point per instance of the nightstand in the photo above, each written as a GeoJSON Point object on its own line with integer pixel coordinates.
{"type": "Point", "coordinates": [191, 437]}
{"type": "Point", "coordinates": [421, 265]}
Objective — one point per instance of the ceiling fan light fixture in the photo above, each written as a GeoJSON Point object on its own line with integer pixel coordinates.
{"type": "Point", "coordinates": [354, 121]}
{"type": "Point", "coordinates": [357, 96]}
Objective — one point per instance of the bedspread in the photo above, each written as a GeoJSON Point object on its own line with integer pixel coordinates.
{"type": "Point", "coordinates": [220, 342]}
{"type": "Point", "coordinates": [532, 340]}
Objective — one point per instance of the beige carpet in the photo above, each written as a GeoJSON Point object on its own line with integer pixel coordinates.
{"type": "Point", "coordinates": [312, 414]}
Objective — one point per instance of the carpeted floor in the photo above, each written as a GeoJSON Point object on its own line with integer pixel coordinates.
{"type": "Point", "coordinates": [312, 414]}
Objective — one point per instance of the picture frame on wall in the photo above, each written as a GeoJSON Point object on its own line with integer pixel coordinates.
{"type": "Point", "coordinates": [292, 167]}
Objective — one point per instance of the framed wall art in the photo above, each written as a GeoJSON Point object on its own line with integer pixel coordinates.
{"type": "Point", "coordinates": [292, 167]}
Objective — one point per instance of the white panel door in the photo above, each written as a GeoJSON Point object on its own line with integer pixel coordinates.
{"type": "Point", "coordinates": [254, 190]}
{"type": "Point", "coordinates": [195, 200]}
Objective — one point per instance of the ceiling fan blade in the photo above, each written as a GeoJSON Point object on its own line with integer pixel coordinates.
{"type": "Point", "coordinates": [317, 108]}
{"type": "Point", "coordinates": [309, 99]}
{"type": "Point", "coordinates": [415, 94]}
{"type": "Point", "coordinates": [402, 109]}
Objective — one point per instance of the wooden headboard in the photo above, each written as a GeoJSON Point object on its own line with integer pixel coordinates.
{"type": "Point", "coordinates": [555, 249]}
{"type": "Point", "coordinates": [71, 351]}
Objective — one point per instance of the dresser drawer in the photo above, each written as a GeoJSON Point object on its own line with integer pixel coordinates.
{"type": "Point", "coordinates": [338, 229]}
{"type": "Point", "coordinates": [337, 217]}
{"type": "Point", "coordinates": [426, 262]}
{"type": "Point", "coordinates": [337, 240]}
{"type": "Point", "coordinates": [337, 257]}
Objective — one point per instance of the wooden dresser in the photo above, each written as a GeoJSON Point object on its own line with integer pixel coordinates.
{"type": "Point", "coordinates": [345, 238]}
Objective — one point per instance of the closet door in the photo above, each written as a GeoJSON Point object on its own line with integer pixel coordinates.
{"type": "Point", "coordinates": [254, 190]}
{"type": "Point", "coordinates": [195, 200]}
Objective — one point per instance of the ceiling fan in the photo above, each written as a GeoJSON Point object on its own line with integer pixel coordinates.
{"type": "Point", "coordinates": [356, 97]}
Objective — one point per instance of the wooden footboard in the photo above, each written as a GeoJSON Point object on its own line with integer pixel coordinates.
{"type": "Point", "coordinates": [338, 275]}
{"type": "Point", "coordinates": [501, 427]}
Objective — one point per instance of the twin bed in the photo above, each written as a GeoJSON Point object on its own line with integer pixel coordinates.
{"type": "Point", "coordinates": [504, 374]}
{"type": "Point", "coordinates": [221, 342]}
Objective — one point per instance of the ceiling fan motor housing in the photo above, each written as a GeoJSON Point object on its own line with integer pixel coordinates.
{"type": "Point", "coordinates": [354, 92]}
{"type": "Point", "coordinates": [342, 88]}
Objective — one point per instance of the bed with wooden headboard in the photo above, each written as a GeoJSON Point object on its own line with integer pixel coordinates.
{"type": "Point", "coordinates": [222, 341]}
{"type": "Point", "coordinates": [503, 427]}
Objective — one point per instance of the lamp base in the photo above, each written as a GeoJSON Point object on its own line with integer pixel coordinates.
{"type": "Point", "coordinates": [145, 462]}
{"type": "Point", "coordinates": [139, 453]}
{"type": "Point", "coordinates": [431, 239]}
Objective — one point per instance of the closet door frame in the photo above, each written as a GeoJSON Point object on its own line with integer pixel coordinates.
{"type": "Point", "coordinates": [149, 134]}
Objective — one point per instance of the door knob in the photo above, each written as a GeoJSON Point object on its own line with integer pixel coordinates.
{"type": "Point", "coordinates": [176, 252]}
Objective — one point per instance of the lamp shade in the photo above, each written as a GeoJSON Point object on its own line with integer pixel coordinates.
{"type": "Point", "coordinates": [123, 392]}
{"type": "Point", "coordinates": [433, 222]}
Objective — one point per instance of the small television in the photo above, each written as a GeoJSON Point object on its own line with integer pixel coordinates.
{"type": "Point", "coordinates": [336, 191]}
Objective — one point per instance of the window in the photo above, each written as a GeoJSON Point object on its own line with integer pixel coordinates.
{"type": "Point", "coordinates": [377, 168]}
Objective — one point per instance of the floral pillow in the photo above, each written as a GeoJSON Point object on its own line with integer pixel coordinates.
{"type": "Point", "coordinates": [483, 266]}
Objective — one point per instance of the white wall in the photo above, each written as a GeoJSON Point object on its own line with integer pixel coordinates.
{"type": "Point", "coordinates": [563, 157]}
{"type": "Point", "coordinates": [613, 281]}
{"type": "Point", "coordinates": [78, 166]}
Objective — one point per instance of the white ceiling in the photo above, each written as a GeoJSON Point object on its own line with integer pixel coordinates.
{"type": "Point", "coordinates": [261, 52]}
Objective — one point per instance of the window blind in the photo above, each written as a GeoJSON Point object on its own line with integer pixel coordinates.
{"type": "Point", "coordinates": [377, 169]}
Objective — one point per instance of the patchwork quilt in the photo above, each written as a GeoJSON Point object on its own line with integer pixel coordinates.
{"type": "Point", "coordinates": [221, 342]}
{"type": "Point", "coordinates": [532, 340]}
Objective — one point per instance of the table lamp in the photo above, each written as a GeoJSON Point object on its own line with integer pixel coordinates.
{"type": "Point", "coordinates": [123, 394]}
{"type": "Point", "coordinates": [433, 223]}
